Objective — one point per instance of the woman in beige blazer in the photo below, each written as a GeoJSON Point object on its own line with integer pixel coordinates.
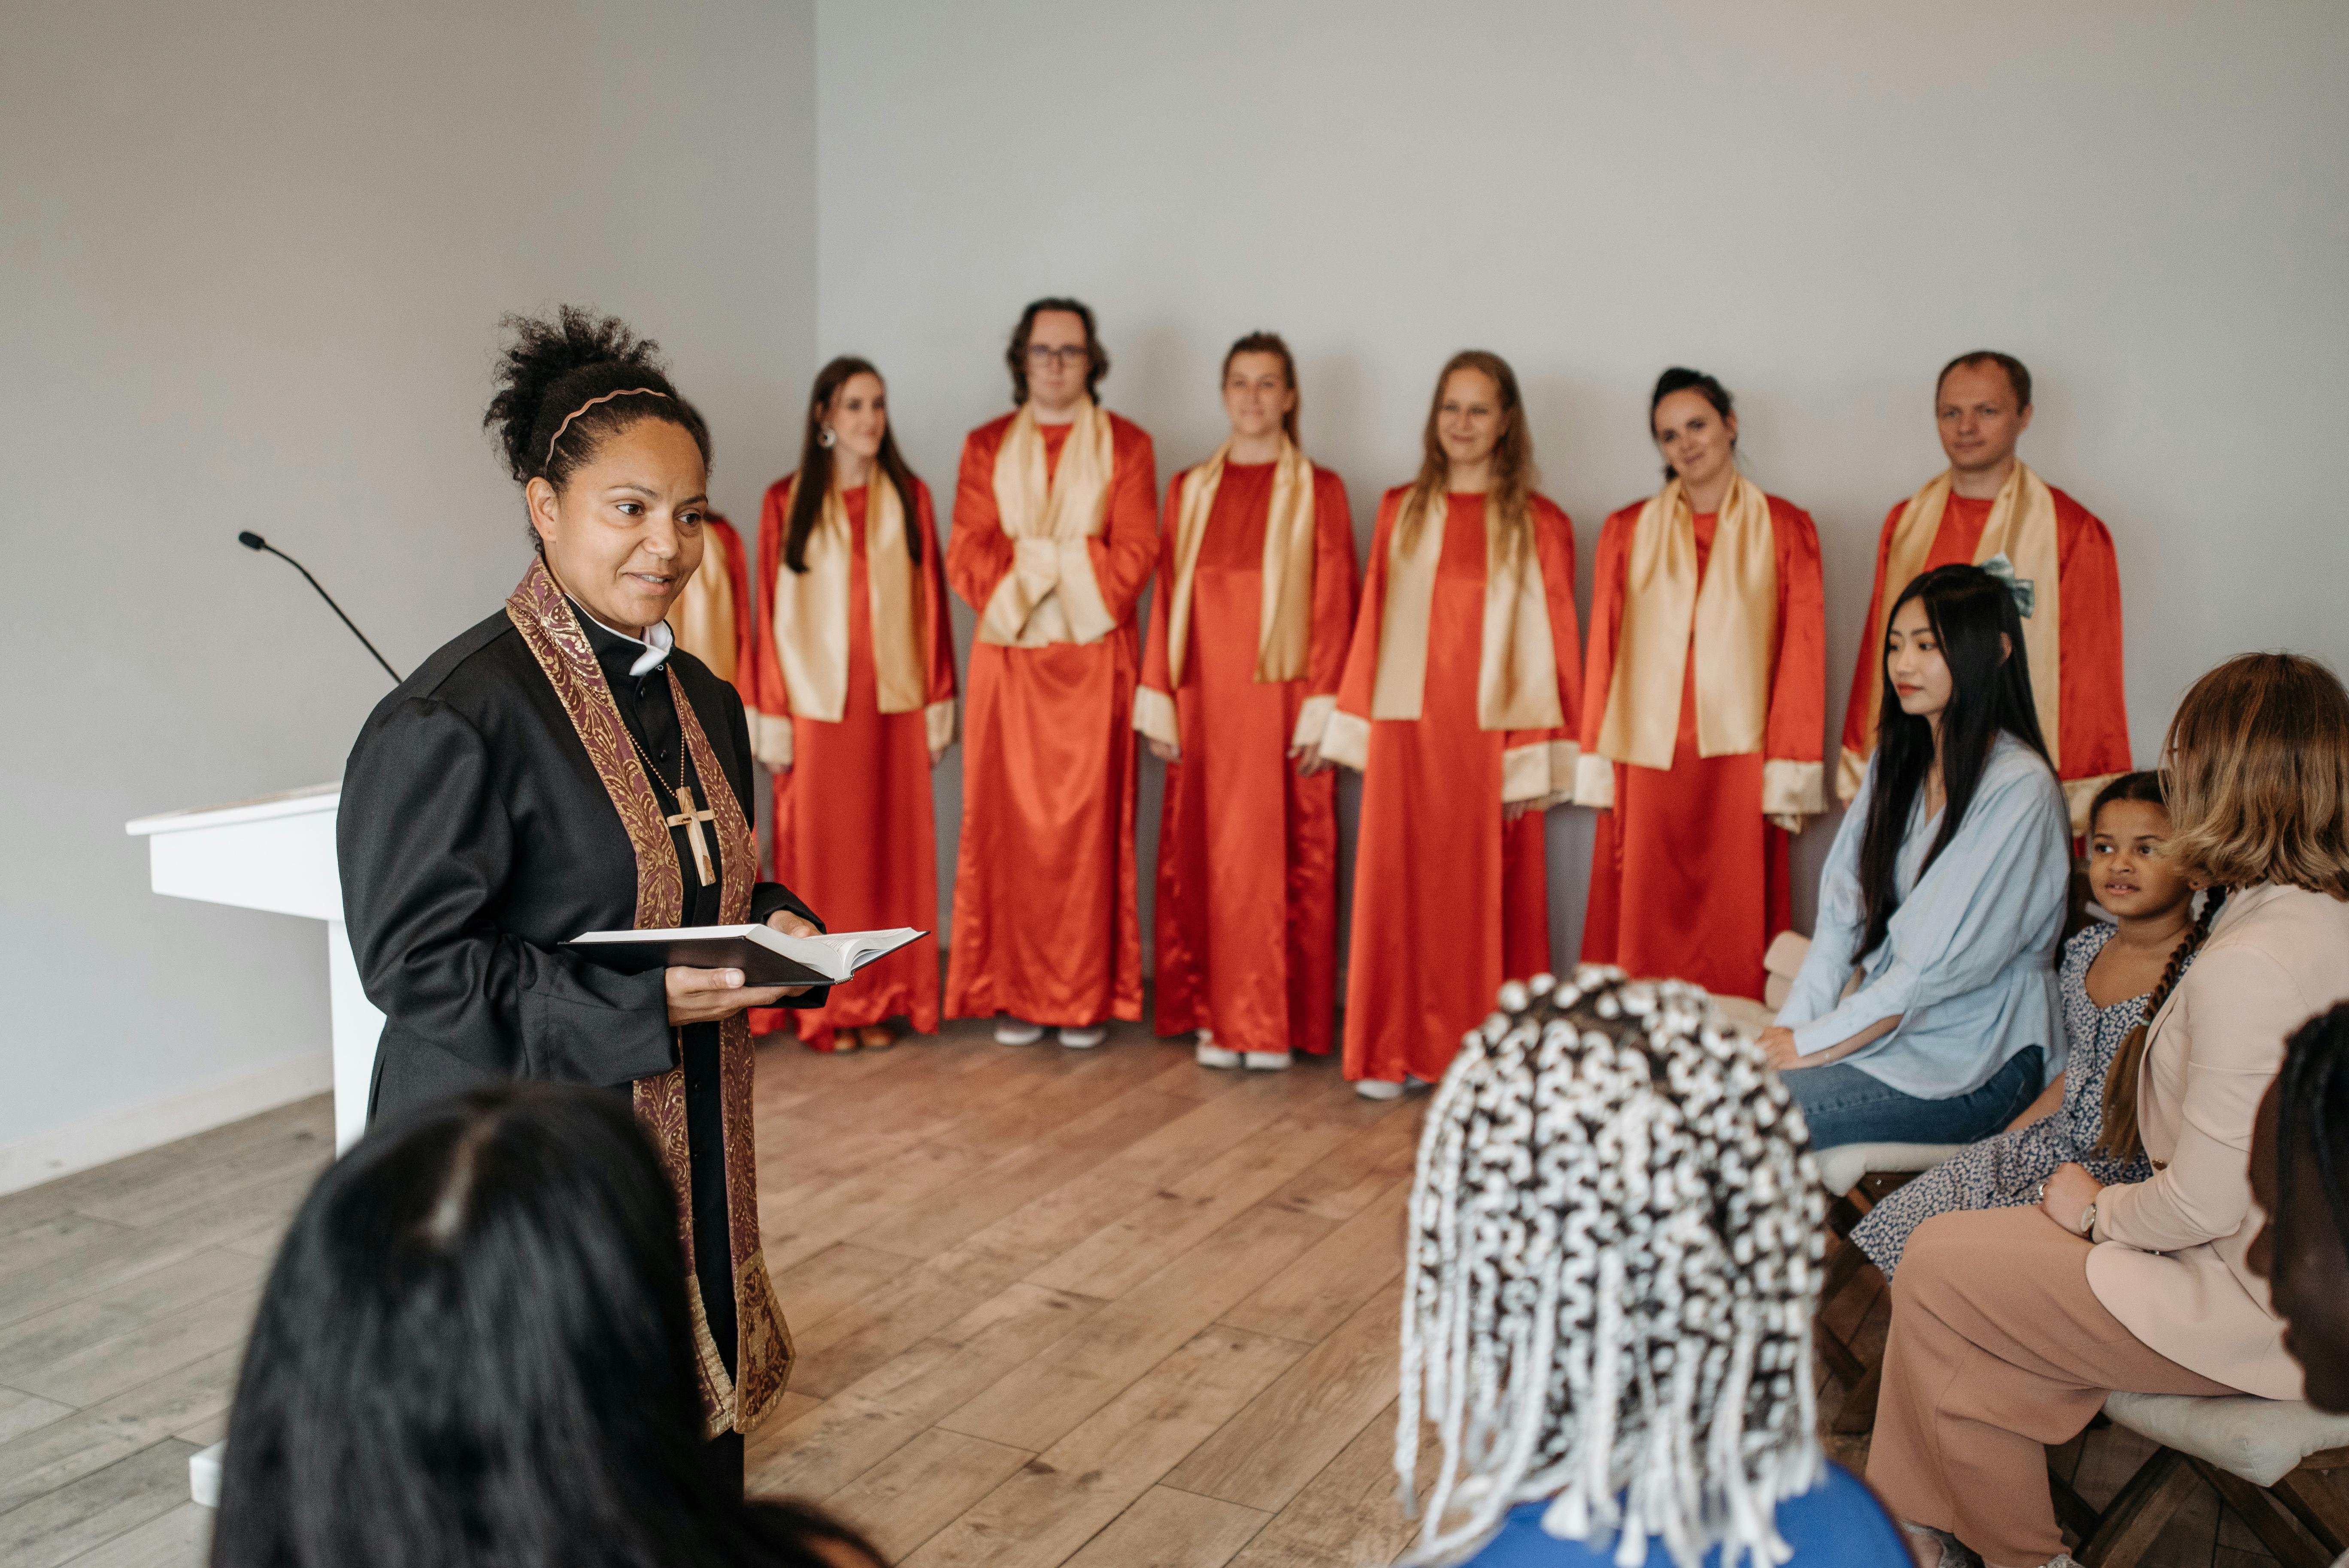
{"type": "Point", "coordinates": [2010, 1325]}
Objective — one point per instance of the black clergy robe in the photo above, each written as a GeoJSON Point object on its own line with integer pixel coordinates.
{"type": "Point", "coordinates": [475, 834]}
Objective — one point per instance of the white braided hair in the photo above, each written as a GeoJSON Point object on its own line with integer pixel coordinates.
{"type": "Point", "coordinates": [1614, 1258]}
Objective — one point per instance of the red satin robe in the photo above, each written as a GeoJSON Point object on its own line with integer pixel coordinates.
{"type": "Point", "coordinates": [1247, 917]}
{"type": "Point", "coordinates": [2092, 701]}
{"type": "Point", "coordinates": [1448, 901]}
{"type": "Point", "coordinates": [1688, 878]}
{"type": "Point", "coordinates": [1045, 923]}
{"type": "Point", "coordinates": [853, 816]}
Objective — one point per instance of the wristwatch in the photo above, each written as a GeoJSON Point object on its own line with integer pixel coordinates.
{"type": "Point", "coordinates": [2088, 1221]}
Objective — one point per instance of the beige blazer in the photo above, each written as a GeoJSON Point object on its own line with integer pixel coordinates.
{"type": "Point", "coordinates": [2170, 1262]}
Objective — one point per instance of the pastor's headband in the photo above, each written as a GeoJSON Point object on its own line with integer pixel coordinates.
{"type": "Point", "coordinates": [606, 398]}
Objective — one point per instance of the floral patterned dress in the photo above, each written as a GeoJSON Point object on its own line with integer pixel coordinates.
{"type": "Point", "coordinates": [2001, 1172]}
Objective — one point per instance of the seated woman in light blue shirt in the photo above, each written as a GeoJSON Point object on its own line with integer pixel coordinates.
{"type": "Point", "coordinates": [1945, 890]}
{"type": "Point", "coordinates": [1607, 1293]}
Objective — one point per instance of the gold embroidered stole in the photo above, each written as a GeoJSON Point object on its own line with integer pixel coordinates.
{"type": "Point", "coordinates": [1051, 594]}
{"type": "Point", "coordinates": [1284, 641]}
{"type": "Point", "coordinates": [1732, 620]}
{"type": "Point", "coordinates": [2020, 527]}
{"type": "Point", "coordinates": [763, 1355]}
{"type": "Point", "coordinates": [811, 609]}
{"type": "Point", "coordinates": [1516, 670]}
{"type": "Point", "coordinates": [703, 616]}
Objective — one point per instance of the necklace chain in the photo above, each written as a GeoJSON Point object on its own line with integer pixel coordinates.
{"type": "Point", "coordinates": [681, 751]}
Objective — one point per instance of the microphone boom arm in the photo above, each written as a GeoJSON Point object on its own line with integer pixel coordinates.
{"type": "Point", "coordinates": [254, 541]}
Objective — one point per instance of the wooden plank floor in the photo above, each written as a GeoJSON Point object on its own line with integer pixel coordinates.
{"type": "Point", "coordinates": [1100, 1308]}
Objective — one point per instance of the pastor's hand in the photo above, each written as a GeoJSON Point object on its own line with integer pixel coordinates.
{"type": "Point", "coordinates": [712, 996]}
{"type": "Point", "coordinates": [1162, 750]}
{"type": "Point", "coordinates": [790, 924]}
{"type": "Point", "coordinates": [1309, 760]}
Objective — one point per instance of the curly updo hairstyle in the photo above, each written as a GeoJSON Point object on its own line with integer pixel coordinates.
{"type": "Point", "coordinates": [591, 370]}
{"type": "Point", "coordinates": [1613, 1258]}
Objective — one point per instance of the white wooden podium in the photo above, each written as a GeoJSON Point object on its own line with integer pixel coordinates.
{"type": "Point", "coordinates": [277, 853]}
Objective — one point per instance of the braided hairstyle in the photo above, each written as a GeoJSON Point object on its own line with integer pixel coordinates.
{"type": "Point", "coordinates": [2313, 1096]}
{"type": "Point", "coordinates": [1613, 1259]}
{"type": "Point", "coordinates": [554, 369]}
{"type": "Point", "coordinates": [2120, 1138]}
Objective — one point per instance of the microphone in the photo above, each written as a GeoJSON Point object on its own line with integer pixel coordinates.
{"type": "Point", "coordinates": [253, 541]}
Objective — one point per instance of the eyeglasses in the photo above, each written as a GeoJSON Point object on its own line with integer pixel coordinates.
{"type": "Point", "coordinates": [1070, 355]}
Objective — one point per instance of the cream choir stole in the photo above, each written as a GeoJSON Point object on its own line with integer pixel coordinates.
{"type": "Point", "coordinates": [2022, 528]}
{"type": "Point", "coordinates": [1727, 621]}
{"type": "Point", "coordinates": [1516, 667]}
{"type": "Point", "coordinates": [1284, 643]}
{"type": "Point", "coordinates": [703, 616]}
{"type": "Point", "coordinates": [811, 610]}
{"type": "Point", "coordinates": [1051, 594]}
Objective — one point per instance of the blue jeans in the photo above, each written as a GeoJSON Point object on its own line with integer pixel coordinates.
{"type": "Point", "coordinates": [1845, 1105]}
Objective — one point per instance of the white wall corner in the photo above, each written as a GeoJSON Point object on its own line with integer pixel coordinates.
{"type": "Point", "coordinates": [46, 1156]}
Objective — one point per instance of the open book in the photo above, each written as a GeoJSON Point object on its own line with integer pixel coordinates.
{"type": "Point", "coordinates": [764, 956]}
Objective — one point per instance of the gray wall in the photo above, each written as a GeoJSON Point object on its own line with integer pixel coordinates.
{"type": "Point", "coordinates": [1818, 201]}
{"type": "Point", "coordinates": [252, 262]}
{"type": "Point", "coordinates": [251, 256]}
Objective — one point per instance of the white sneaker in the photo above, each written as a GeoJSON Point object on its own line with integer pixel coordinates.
{"type": "Point", "coordinates": [1268, 1061]}
{"type": "Point", "coordinates": [1011, 1031]}
{"type": "Point", "coordinates": [1212, 1055]}
{"type": "Point", "coordinates": [1083, 1039]}
{"type": "Point", "coordinates": [1378, 1088]}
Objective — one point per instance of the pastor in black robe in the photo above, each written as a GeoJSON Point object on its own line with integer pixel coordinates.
{"type": "Point", "coordinates": [475, 835]}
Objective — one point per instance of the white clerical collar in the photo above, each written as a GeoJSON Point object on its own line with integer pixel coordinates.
{"type": "Point", "coordinates": [658, 642]}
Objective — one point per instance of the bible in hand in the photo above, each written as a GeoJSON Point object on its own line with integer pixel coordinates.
{"type": "Point", "coordinates": [764, 956]}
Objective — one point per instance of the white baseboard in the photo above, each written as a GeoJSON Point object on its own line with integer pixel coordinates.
{"type": "Point", "coordinates": [45, 1156]}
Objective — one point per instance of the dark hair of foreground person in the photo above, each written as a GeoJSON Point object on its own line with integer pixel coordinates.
{"type": "Point", "coordinates": [473, 1349]}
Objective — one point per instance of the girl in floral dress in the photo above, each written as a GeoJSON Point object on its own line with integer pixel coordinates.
{"type": "Point", "coordinates": [2114, 978]}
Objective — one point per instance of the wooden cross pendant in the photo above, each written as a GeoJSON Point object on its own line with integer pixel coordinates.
{"type": "Point", "coordinates": [691, 821]}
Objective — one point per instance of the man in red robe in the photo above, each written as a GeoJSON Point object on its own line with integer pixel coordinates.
{"type": "Point", "coordinates": [1990, 510]}
{"type": "Point", "coordinates": [1055, 533]}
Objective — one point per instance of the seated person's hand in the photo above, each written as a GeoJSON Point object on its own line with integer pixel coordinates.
{"type": "Point", "coordinates": [2068, 1194]}
{"type": "Point", "coordinates": [1778, 1044]}
{"type": "Point", "coordinates": [711, 996]}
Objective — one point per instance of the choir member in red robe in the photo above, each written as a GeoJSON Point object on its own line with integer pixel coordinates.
{"type": "Point", "coordinates": [1458, 704]}
{"type": "Point", "coordinates": [1055, 533]}
{"type": "Point", "coordinates": [1247, 636]}
{"type": "Point", "coordinates": [713, 619]}
{"type": "Point", "coordinates": [853, 699]}
{"type": "Point", "coordinates": [1704, 708]}
{"type": "Point", "coordinates": [1988, 508]}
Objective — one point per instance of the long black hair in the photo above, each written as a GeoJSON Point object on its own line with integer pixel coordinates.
{"type": "Point", "coordinates": [815, 466]}
{"type": "Point", "coordinates": [1980, 636]}
{"type": "Point", "coordinates": [474, 1350]}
